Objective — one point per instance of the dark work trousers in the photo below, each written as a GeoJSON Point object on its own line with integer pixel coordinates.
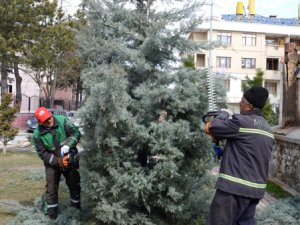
{"type": "Point", "coordinates": [52, 183]}
{"type": "Point", "coordinates": [229, 209]}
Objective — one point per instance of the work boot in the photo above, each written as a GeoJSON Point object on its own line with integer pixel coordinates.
{"type": "Point", "coordinates": [52, 213]}
{"type": "Point", "coordinates": [52, 217]}
{"type": "Point", "coordinates": [76, 205]}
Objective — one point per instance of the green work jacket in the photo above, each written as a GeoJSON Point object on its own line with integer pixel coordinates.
{"type": "Point", "coordinates": [63, 132]}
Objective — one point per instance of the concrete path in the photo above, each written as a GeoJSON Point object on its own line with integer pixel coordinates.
{"type": "Point", "coordinates": [267, 200]}
{"type": "Point", "coordinates": [20, 141]}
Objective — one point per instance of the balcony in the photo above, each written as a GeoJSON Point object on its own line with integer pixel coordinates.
{"type": "Point", "coordinates": [272, 75]}
{"type": "Point", "coordinates": [274, 50]}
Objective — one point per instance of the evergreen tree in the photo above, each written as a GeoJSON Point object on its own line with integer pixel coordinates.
{"type": "Point", "coordinates": [146, 158]}
{"type": "Point", "coordinates": [19, 24]}
{"type": "Point", "coordinates": [7, 112]}
{"type": "Point", "coordinates": [52, 53]}
{"type": "Point", "coordinates": [190, 62]}
{"type": "Point", "coordinates": [286, 211]}
{"type": "Point", "coordinates": [258, 81]}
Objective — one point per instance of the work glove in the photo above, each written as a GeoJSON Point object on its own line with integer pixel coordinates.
{"type": "Point", "coordinates": [230, 113]}
{"type": "Point", "coordinates": [64, 150]}
{"type": "Point", "coordinates": [218, 151]}
{"type": "Point", "coordinates": [66, 160]}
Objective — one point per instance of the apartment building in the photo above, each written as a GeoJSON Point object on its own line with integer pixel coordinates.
{"type": "Point", "coordinates": [251, 42]}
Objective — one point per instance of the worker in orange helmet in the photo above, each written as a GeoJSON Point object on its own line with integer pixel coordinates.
{"type": "Point", "coordinates": [55, 141]}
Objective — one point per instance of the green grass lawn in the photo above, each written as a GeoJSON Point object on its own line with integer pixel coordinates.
{"type": "Point", "coordinates": [276, 191]}
{"type": "Point", "coordinates": [22, 179]}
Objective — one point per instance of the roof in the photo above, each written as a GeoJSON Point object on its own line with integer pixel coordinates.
{"type": "Point", "coordinates": [261, 19]}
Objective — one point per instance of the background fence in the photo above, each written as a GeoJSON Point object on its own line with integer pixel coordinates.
{"type": "Point", "coordinates": [31, 103]}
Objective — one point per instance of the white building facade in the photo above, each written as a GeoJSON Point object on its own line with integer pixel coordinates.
{"type": "Point", "coordinates": [251, 43]}
{"type": "Point", "coordinates": [29, 89]}
{"type": "Point", "coordinates": [33, 96]}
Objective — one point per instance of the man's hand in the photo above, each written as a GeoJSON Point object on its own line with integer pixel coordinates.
{"type": "Point", "coordinates": [207, 131]}
{"type": "Point", "coordinates": [64, 150]}
{"type": "Point", "coordinates": [207, 126]}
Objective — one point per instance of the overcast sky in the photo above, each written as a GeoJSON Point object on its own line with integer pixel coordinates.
{"type": "Point", "coordinates": [281, 8]}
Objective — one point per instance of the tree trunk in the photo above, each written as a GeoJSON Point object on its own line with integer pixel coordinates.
{"type": "Point", "coordinates": [18, 86]}
{"type": "Point", "coordinates": [73, 101]}
{"type": "Point", "coordinates": [4, 149]}
{"type": "Point", "coordinates": [47, 89]}
{"type": "Point", "coordinates": [80, 96]}
{"type": "Point", "coordinates": [52, 90]}
{"type": "Point", "coordinates": [53, 82]}
{"type": "Point", "coordinates": [4, 76]}
{"type": "Point", "coordinates": [78, 91]}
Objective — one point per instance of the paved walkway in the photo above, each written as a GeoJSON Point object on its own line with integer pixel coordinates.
{"type": "Point", "coordinates": [267, 200]}
{"type": "Point", "coordinates": [20, 141]}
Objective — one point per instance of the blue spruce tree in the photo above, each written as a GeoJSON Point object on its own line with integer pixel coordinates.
{"type": "Point", "coordinates": [146, 158]}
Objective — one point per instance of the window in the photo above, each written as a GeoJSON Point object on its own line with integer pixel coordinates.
{"type": "Point", "coordinates": [271, 42]}
{"type": "Point", "coordinates": [271, 87]}
{"type": "Point", "coordinates": [227, 85]}
{"type": "Point", "coordinates": [248, 63]}
{"type": "Point", "coordinates": [200, 60]}
{"type": "Point", "coordinates": [249, 39]}
{"type": "Point", "coordinates": [224, 38]}
{"type": "Point", "coordinates": [272, 64]}
{"type": "Point", "coordinates": [9, 88]}
{"type": "Point", "coordinates": [223, 62]}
